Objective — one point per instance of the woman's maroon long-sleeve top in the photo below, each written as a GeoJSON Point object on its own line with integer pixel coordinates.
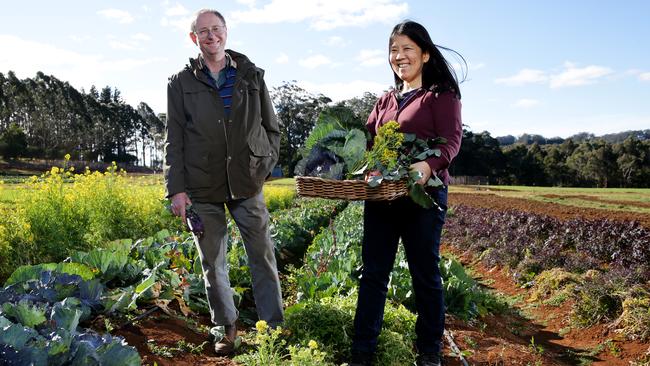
{"type": "Point", "coordinates": [427, 114]}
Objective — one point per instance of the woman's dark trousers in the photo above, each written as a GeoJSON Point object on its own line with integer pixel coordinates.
{"type": "Point", "coordinates": [420, 229]}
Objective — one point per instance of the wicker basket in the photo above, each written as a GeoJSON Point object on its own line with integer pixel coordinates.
{"type": "Point", "coordinates": [351, 190]}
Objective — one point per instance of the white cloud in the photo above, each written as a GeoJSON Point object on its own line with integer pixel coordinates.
{"type": "Point", "coordinates": [526, 103]}
{"type": "Point", "coordinates": [372, 57]}
{"type": "Point", "coordinates": [574, 76]}
{"type": "Point", "coordinates": [121, 16]}
{"type": "Point", "coordinates": [249, 3]}
{"type": "Point", "coordinates": [176, 10]}
{"type": "Point", "coordinates": [180, 23]}
{"type": "Point", "coordinates": [81, 70]}
{"type": "Point", "coordinates": [117, 45]}
{"type": "Point", "coordinates": [141, 37]}
{"type": "Point", "coordinates": [314, 61]}
{"type": "Point", "coordinates": [335, 41]}
{"type": "Point", "coordinates": [524, 76]}
{"type": "Point", "coordinates": [79, 39]}
{"type": "Point", "coordinates": [282, 58]}
{"type": "Point", "coordinates": [177, 16]}
{"type": "Point", "coordinates": [570, 76]}
{"type": "Point", "coordinates": [132, 43]}
{"type": "Point", "coordinates": [645, 76]}
{"type": "Point", "coordinates": [324, 15]}
{"type": "Point", "coordinates": [128, 64]}
{"type": "Point", "coordinates": [346, 90]}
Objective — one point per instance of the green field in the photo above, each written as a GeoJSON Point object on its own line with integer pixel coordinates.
{"type": "Point", "coordinates": [618, 199]}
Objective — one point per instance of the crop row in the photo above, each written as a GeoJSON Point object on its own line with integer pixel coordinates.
{"type": "Point", "coordinates": [530, 243]}
{"type": "Point", "coordinates": [603, 265]}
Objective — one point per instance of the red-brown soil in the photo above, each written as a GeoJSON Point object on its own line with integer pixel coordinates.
{"type": "Point", "coordinates": [167, 331]}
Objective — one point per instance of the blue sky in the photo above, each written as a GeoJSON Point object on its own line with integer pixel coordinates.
{"type": "Point", "coordinates": [551, 67]}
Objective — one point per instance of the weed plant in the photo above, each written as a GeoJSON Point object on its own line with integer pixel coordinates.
{"type": "Point", "coordinates": [270, 349]}
{"type": "Point", "coordinates": [329, 321]}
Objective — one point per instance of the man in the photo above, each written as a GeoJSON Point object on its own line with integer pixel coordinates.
{"type": "Point", "coordinates": [222, 142]}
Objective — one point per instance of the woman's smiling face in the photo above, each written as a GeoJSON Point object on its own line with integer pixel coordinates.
{"type": "Point", "coordinates": [407, 60]}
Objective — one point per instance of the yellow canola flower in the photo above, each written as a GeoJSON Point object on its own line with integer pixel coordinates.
{"type": "Point", "coordinates": [312, 344]}
{"type": "Point", "coordinates": [261, 326]}
{"type": "Point", "coordinates": [385, 150]}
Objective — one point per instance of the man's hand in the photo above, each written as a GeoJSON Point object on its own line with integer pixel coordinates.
{"type": "Point", "coordinates": [425, 171]}
{"type": "Point", "coordinates": [179, 201]}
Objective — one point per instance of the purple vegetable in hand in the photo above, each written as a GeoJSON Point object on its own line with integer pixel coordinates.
{"type": "Point", "coordinates": [194, 222]}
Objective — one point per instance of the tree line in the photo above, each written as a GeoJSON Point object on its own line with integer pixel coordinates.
{"type": "Point", "coordinates": [45, 117]}
{"type": "Point", "coordinates": [588, 163]}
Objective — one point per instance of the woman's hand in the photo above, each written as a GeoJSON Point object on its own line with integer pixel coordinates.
{"type": "Point", "coordinates": [425, 171]}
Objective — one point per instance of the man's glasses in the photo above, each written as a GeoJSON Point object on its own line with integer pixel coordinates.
{"type": "Point", "coordinates": [205, 32]}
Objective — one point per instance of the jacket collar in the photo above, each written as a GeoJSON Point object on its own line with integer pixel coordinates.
{"type": "Point", "coordinates": [236, 60]}
{"type": "Point", "coordinates": [198, 63]}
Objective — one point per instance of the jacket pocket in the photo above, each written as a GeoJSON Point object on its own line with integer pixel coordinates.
{"type": "Point", "coordinates": [199, 106]}
{"type": "Point", "coordinates": [261, 160]}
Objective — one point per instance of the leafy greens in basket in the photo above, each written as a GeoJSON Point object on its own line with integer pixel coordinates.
{"type": "Point", "coordinates": [339, 153]}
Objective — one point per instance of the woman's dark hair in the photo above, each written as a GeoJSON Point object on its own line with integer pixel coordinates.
{"type": "Point", "coordinates": [436, 72]}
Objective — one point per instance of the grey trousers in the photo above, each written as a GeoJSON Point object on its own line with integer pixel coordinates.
{"type": "Point", "coordinates": [252, 219]}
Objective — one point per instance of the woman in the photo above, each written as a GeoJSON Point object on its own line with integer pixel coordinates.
{"type": "Point", "coordinates": [425, 101]}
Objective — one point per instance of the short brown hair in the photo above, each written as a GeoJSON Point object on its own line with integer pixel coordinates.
{"type": "Point", "coordinates": [203, 11]}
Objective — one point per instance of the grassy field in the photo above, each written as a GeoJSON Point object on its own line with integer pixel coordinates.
{"type": "Point", "coordinates": [13, 189]}
{"type": "Point", "coordinates": [618, 199]}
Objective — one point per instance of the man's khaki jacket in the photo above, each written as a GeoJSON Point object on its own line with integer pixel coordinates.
{"type": "Point", "coordinates": [208, 155]}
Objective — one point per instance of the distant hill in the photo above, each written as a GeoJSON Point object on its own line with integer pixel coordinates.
{"type": "Point", "coordinates": [611, 138]}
